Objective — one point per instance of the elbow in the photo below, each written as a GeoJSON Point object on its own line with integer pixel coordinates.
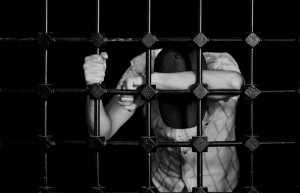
{"type": "Point", "coordinates": [236, 81]}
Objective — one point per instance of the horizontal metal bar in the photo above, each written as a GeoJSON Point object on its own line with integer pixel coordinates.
{"type": "Point", "coordinates": [174, 39]}
{"type": "Point", "coordinates": [12, 39]}
{"type": "Point", "coordinates": [70, 90]}
{"type": "Point", "coordinates": [121, 40]}
{"type": "Point", "coordinates": [137, 92]}
{"type": "Point", "coordinates": [224, 143]}
{"type": "Point", "coordinates": [267, 91]}
{"type": "Point", "coordinates": [17, 143]}
{"type": "Point", "coordinates": [16, 91]}
{"type": "Point", "coordinates": [70, 142]}
{"type": "Point", "coordinates": [226, 40]}
{"type": "Point", "coordinates": [159, 144]}
{"type": "Point", "coordinates": [70, 39]}
{"type": "Point", "coordinates": [130, 143]}
{"type": "Point", "coordinates": [133, 40]}
{"type": "Point", "coordinates": [174, 144]}
{"type": "Point", "coordinates": [278, 142]}
{"type": "Point", "coordinates": [278, 40]}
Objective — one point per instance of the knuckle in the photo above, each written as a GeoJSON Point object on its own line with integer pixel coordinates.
{"type": "Point", "coordinates": [87, 58]}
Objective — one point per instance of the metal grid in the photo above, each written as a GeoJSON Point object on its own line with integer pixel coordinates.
{"type": "Point", "coordinates": [249, 92]}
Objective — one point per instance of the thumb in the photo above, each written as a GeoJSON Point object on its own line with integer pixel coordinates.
{"type": "Point", "coordinates": [133, 82]}
{"type": "Point", "coordinates": [104, 55]}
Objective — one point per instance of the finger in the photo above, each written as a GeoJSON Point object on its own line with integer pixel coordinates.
{"type": "Point", "coordinates": [132, 83]}
{"type": "Point", "coordinates": [92, 58]}
{"type": "Point", "coordinates": [94, 80]}
{"type": "Point", "coordinates": [104, 55]}
{"type": "Point", "coordinates": [123, 87]}
{"type": "Point", "coordinates": [124, 103]}
{"type": "Point", "coordinates": [131, 107]}
{"type": "Point", "coordinates": [126, 99]}
{"type": "Point", "coordinates": [95, 73]}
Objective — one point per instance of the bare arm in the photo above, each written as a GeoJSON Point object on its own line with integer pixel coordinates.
{"type": "Point", "coordinates": [113, 115]}
{"type": "Point", "coordinates": [214, 79]}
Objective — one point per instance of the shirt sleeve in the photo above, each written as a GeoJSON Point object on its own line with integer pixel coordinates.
{"type": "Point", "coordinates": [221, 61]}
{"type": "Point", "coordinates": [138, 66]}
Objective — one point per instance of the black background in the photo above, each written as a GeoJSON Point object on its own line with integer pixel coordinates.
{"type": "Point", "coordinates": [276, 65]}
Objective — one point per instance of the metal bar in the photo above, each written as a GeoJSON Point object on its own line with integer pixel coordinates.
{"type": "Point", "coordinates": [96, 118]}
{"type": "Point", "coordinates": [46, 16]}
{"type": "Point", "coordinates": [159, 144]}
{"type": "Point", "coordinates": [199, 105]}
{"type": "Point", "coordinates": [252, 168]}
{"type": "Point", "coordinates": [148, 82]}
{"type": "Point", "coordinates": [251, 103]}
{"type": "Point", "coordinates": [45, 103]}
{"type": "Point", "coordinates": [226, 40]}
{"type": "Point", "coordinates": [264, 91]}
{"type": "Point", "coordinates": [251, 65]}
{"type": "Point", "coordinates": [71, 39]}
{"type": "Point", "coordinates": [174, 39]}
{"type": "Point", "coordinates": [120, 40]}
{"type": "Point", "coordinates": [149, 16]}
{"type": "Point", "coordinates": [137, 92]}
{"type": "Point", "coordinates": [278, 143]}
{"type": "Point", "coordinates": [252, 16]}
{"type": "Point", "coordinates": [16, 91]}
{"type": "Point", "coordinates": [279, 40]}
{"type": "Point", "coordinates": [136, 40]}
{"type": "Point", "coordinates": [11, 39]}
{"type": "Point", "coordinates": [70, 91]}
{"type": "Point", "coordinates": [97, 102]}
{"type": "Point", "coordinates": [251, 118]}
{"type": "Point", "coordinates": [200, 16]}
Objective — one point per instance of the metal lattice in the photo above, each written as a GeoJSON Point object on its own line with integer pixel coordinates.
{"type": "Point", "coordinates": [250, 92]}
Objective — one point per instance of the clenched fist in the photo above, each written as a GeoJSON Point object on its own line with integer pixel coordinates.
{"type": "Point", "coordinates": [130, 102]}
{"type": "Point", "coordinates": [94, 68]}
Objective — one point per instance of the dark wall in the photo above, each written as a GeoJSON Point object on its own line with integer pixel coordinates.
{"type": "Point", "coordinates": [276, 65]}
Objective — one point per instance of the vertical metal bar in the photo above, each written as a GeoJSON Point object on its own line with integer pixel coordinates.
{"type": "Point", "coordinates": [251, 103]}
{"type": "Point", "coordinates": [252, 16]}
{"type": "Point", "coordinates": [46, 16]}
{"type": "Point", "coordinates": [45, 105]}
{"type": "Point", "coordinates": [98, 16]}
{"type": "Point", "coordinates": [148, 82]}
{"type": "Point", "coordinates": [252, 168]}
{"type": "Point", "coordinates": [251, 82]}
{"type": "Point", "coordinates": [200, 16]}
{"type": "Point", "coordinates": [199, 106]}
{"type": "Point", "coordinates": [97, 103]}
{"type": "Point", "coordinates": [251, 65]}
{"type": "Point", "coordinates": [148, 113]}
{"type": "Point", "coordinates": [148, 16]}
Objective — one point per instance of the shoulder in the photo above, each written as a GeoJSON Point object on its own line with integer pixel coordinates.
{"type": "Point", "coordinates": [220, 61]}
{"type": "Point", "coordinates": [138, 63]}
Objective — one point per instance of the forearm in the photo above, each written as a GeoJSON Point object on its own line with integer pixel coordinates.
{"type": "Point", "coordinates": [214, 79]}
{"type": "Point", "coordinates": [105, 122]}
